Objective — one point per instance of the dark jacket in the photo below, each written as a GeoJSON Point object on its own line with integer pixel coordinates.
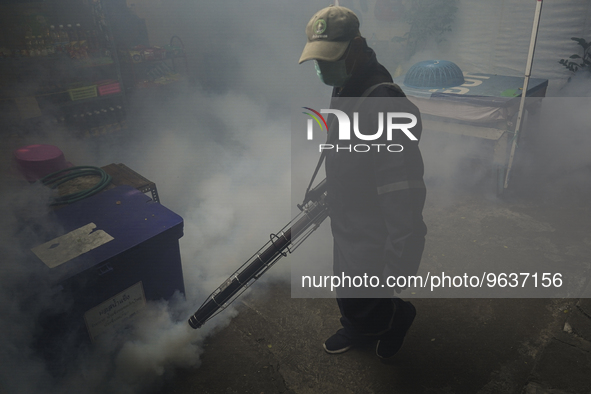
{"type": "Point", "coordinates": [375, 198]}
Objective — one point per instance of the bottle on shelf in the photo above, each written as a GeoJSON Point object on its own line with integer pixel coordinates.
{"type": "Point", "coordinates": [93, 40]}
{"type": "Point", "coordinates": [28, 31]}
{"type": "Point", "coordinates": [90, 123]}
{"type": "Point", "coordinates": [120, 115]}
{"type": "Point", "coordinates": [98, 129]}
{"type": "Point", "coordinates": [82, 41]}
{"type": "Point", "coordinates": [72, 37]}
{"type": "Point", "coordinates": [26, 44]}
{"type": "Point", "coordinates": [41, 48]}
{"type": "Point", "coordinates": [82, 124]}
{"type": "Point", "coordinates": [73, 122]}
{"type": "Point", "coordinates": [55, 39]}
{"type": "Point", "coordinates": [113, 118]}
{"type": "Point", "coordinates": [63, 37]}
{"type": "Point", "coordinates": [48, 41]}
{"type": "Point", "coordinates": [35, 46]}
{"type": "Point", "coordinates": [28, 50]}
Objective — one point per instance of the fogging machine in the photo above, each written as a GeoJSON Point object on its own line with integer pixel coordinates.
{"type": "Point", "coordinates": [313, 211]}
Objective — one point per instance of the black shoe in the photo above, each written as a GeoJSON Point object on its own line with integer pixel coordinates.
{"type": "Point", "coordinates": [341, 341]}
{"type": "Point", "coordinates": [391, 342]}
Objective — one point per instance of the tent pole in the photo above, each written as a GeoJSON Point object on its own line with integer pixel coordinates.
{"type": "Point", "coordinates": [528, 67]}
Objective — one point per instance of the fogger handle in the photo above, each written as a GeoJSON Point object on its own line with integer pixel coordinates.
{"type": "Point", "coordinates": [314, 194]}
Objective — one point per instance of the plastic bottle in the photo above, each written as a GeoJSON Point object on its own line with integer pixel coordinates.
{"type": "Point", "coordinates": [115, 125]}
{"type": "Point", "coordinates": [83, 125]}
{"type": "Point", "coordinates": [35, 51]}
{"type": "Point", "coordinates": [93, 38]}
{"type": "Point", "coordinates": [95, 122]}
{"type": "Point", "coordinates": [63, 37]}
{"type": "Point", "coordinates": [41, 49]}
{"type": "Point", "coordinates": [29, 50]}
{"type": "Point", "coordinates": [73, 122]}
{"type": "Point", "coordinates": [47, 38]}
{"type": "Point", "coordinates": [120, 115]}
{"type": "Point", "coordinates": [91, 121]}
{"type": "Point", "coordinates": [25, 43]}
{"type": "Point", "coordinates": [82, 40]}
{"type": "Point", "coordinates": [55, 39]}
{"type": "Point", "coordinates": [72, 37]}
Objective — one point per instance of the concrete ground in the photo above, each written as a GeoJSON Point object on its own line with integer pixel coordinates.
{"type": "Point", "coordinates": [461, 345]}
{"type": "Point", "coordinates": [456, 345]}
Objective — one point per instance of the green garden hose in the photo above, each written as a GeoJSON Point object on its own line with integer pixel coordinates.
{"type": "Point", "coordinates": [53, 180]}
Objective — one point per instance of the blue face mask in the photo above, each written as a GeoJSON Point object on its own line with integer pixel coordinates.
{"type": "Point", "coordinates": [332, 73]}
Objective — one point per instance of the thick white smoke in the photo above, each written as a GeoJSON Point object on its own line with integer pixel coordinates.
{"type": "Point", "coordinates": [219, 151]}
{"type": "Point", "coordinates": [232, 191]}
{"type": "Point", "coordinates": [219, 154]}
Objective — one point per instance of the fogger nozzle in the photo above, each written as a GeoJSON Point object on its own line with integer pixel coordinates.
{"type": "Point", "coordinates": [194, 323]}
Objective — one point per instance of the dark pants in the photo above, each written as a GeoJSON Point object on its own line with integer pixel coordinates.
{"type": "Point", "coordinates": [372, 316]}
{"type": "Point", "coordinates": [368, 316]}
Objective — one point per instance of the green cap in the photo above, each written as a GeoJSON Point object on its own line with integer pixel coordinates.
{"type": "Point", "coordinates": [329, 33]}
